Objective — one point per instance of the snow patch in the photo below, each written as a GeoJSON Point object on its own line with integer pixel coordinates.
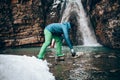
{"type": "Point", "coordinates": [13, 67]}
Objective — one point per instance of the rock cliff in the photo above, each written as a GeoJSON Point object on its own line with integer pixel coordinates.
{"type": "Point", "coordinates": [22, 21]}
{"type": "Point", "coordinates": [105, 17]}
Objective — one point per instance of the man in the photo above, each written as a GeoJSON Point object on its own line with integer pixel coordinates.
{"type": "Point", "coordinates": [55, 31]}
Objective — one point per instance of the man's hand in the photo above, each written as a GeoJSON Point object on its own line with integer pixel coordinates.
{"type": "Point", "coordinates": [73, 52]}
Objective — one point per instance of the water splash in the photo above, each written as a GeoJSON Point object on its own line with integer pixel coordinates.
{"type": "Point", "coordinates": [84, 26]}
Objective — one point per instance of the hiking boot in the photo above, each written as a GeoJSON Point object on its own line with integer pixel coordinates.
{"type": "Point", "coordinates": [60, 57]}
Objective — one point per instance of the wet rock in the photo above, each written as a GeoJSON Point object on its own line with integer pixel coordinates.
{"type": "Point", "coordinates": [79, 54]}
{"type": "Point", "coordinates": [97, 56]}
{"type": "Point", "coordinates": [105, 17]}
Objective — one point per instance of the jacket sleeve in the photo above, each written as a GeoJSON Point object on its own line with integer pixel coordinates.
{"type": "Point", "coordinates": [67, 39]}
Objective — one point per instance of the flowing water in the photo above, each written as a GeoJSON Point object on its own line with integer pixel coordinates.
{"type": "Point", "coordinates": [84, 27]}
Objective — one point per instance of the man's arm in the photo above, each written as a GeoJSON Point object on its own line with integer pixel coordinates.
{"type": "Point", "coordinates": [67, 39]}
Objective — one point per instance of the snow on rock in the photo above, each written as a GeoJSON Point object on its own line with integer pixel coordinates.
{"type": "Point", "coordinates": [13, 67]}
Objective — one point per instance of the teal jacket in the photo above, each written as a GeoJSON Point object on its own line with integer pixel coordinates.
{"type": "Point", "coordinates": [61, 28]}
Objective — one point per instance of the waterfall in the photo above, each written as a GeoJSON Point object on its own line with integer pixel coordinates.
{"type": "Point", "coordinates": [84, 27]}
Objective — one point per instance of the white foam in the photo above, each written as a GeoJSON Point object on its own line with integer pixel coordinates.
{"type": "Point", "coordinates": [13, 67]}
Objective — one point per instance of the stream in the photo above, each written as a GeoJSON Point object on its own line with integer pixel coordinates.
{"type": "Point", "coordinates": [91, 63]}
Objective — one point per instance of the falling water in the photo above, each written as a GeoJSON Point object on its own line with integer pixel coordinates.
{"type": "Point", "coordinates": [84, 26]}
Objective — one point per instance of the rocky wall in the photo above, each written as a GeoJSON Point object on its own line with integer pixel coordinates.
{"type": "Point", "coordinates": [22, 21]}
{"type": "Point", "coordinates": [6, 29]}
{"type": "Point", "coordinates": [27, 23]}
{"type": "Point", "coordinates": [105, 17]}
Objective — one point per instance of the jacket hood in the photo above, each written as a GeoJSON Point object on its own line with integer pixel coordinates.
{"type": "Point", "coordinates": [67, 24]}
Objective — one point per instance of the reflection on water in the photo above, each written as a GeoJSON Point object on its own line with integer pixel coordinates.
{"type": "Point", "coordinates": [91, 63]}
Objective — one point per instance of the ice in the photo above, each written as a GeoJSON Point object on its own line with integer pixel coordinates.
{"type": "Point", "coordinates": [14, 67]}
